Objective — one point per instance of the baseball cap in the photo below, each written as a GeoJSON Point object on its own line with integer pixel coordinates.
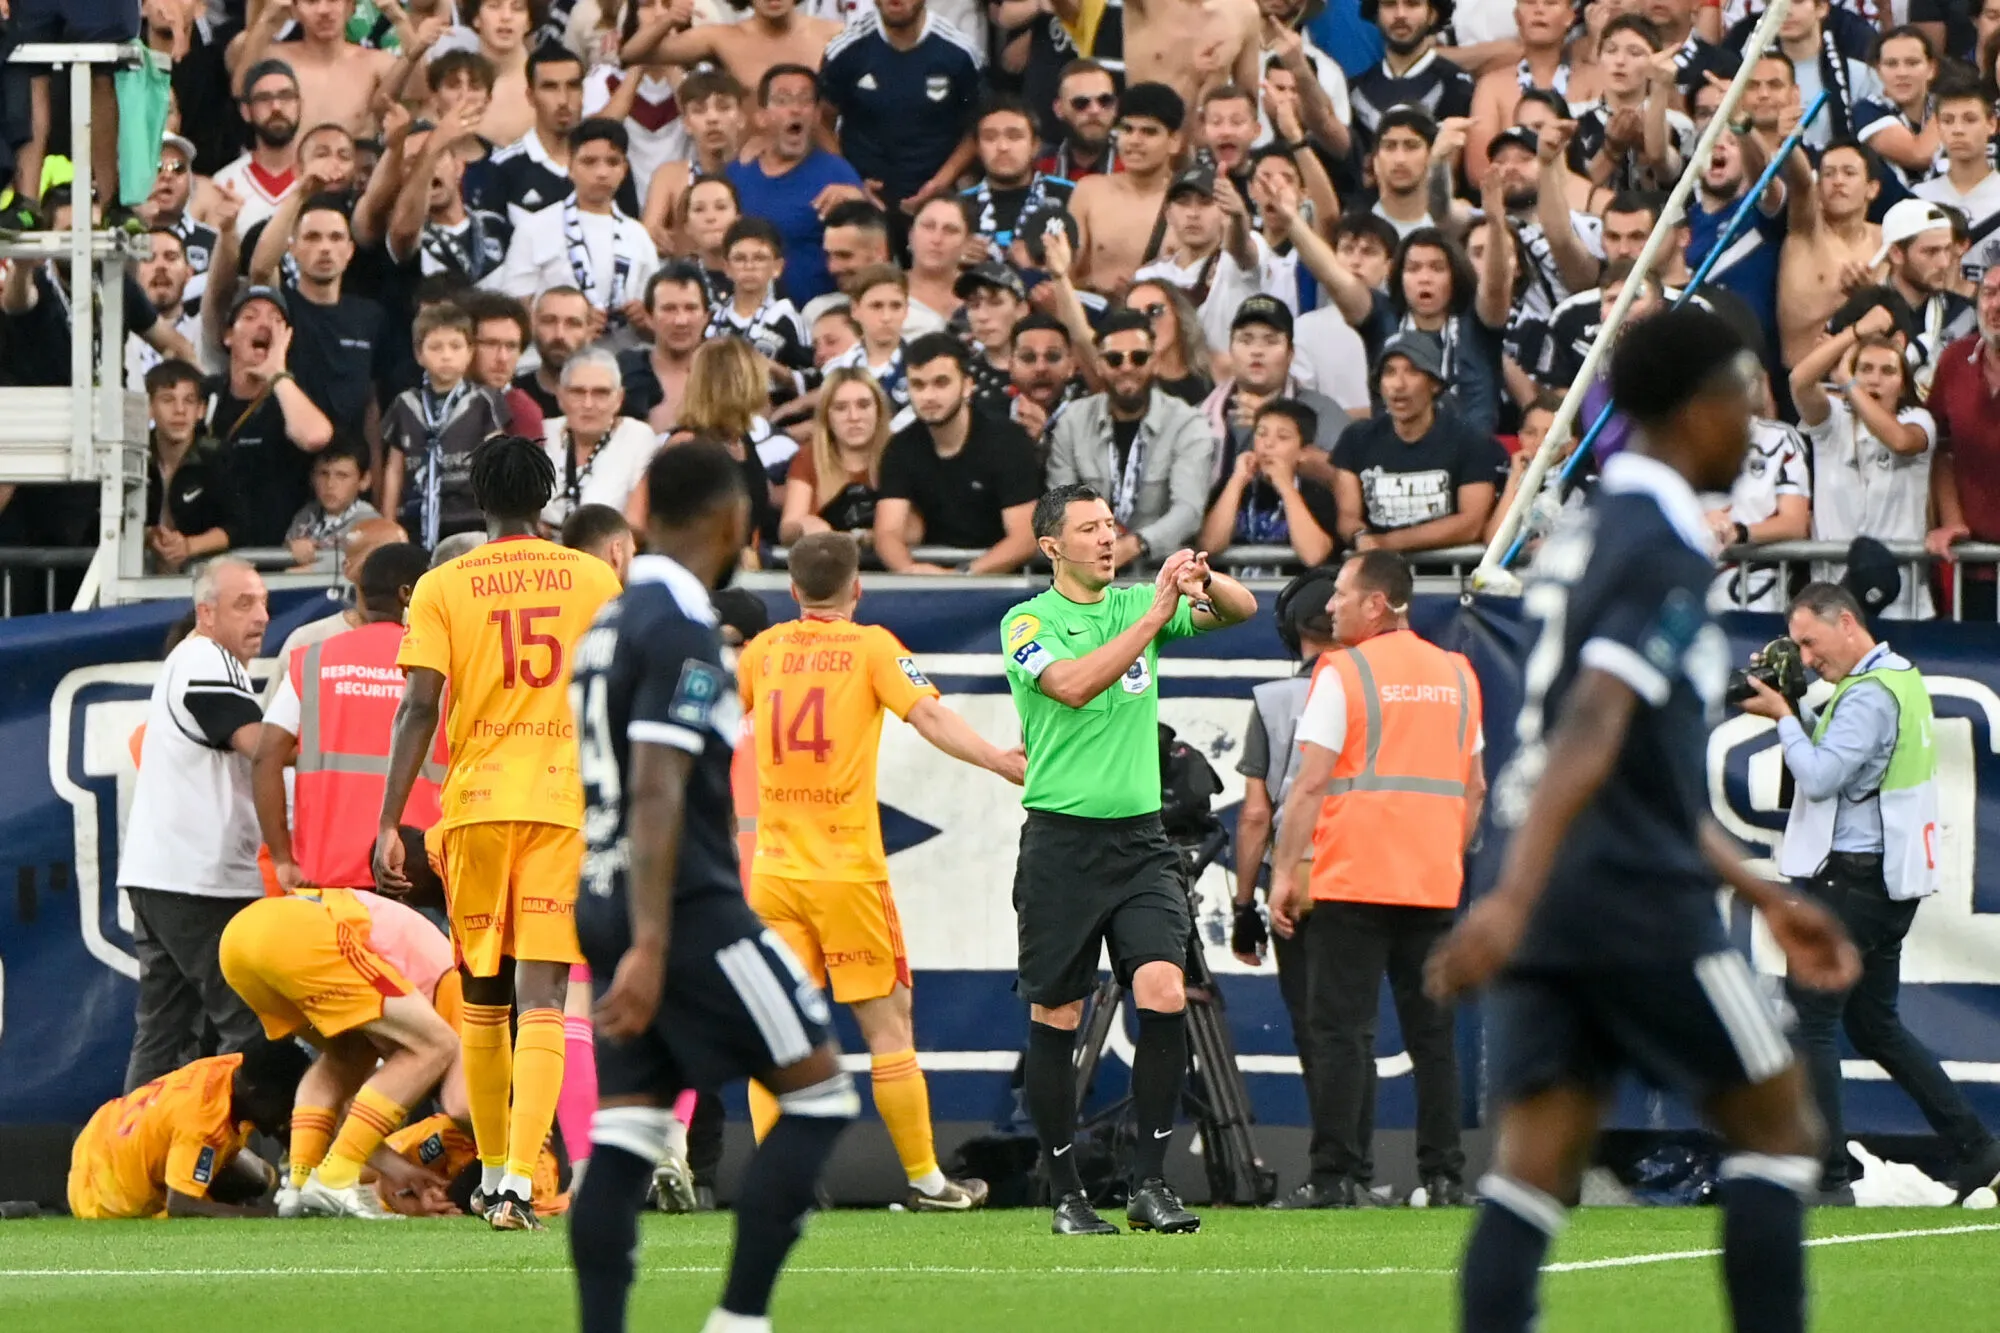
{"type": "Point", "coordinates": [992, 273]}
{"type": "Point", "coordinates": [1266, 310]}
{"type": "Point", "coordinates": [1518, 135]}
{"type": "Point", "coordinates": [249, 294]}
{"type": "Point", "coordinates": [1198, 178]}
{"type": "Point", "coordinates": [1908, 219]}
{"type": "Point", "coordinates": [1419, 349]}
{"type": "Point", "coordinates": [263, 69]}
{"type": "Point", "coordinates": [172, 140]}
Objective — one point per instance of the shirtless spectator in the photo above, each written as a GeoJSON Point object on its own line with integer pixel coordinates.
{"type": "Point", "coordinates": [1189, 45]}
{"type": "Point", "coordinates": [1116, 215]}
{"type": "Point", "coordinates": [712, 110]}
{"type": "Point", "coordinates": [1830, 248]}
{"type": "Point", "coordinates": [338, 79]}
{"type": "Point", "coordinates": [503, 28]}
{"type": "Point", "coordinates": [1087, 106]}
{"type": "Point", "coordinates": [776, 33]}
{"type": "Point", "coordinates": [1545, 63]}
{"type": "Point", "coordinates": [656, 377]}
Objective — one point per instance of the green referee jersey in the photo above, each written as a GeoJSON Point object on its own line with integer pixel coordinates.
{"type": "Point", "coordinates": [1100, 761]}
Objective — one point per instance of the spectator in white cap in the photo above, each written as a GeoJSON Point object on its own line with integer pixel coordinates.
{"type": "Point", "coordinates": [167, 206]}
{"type": "Point", "coordinates": [1917, 244]}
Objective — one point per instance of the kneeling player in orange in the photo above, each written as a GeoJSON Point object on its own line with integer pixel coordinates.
{"type": "Point", "coordinates": [499, 625]}
{"type": "Point", "coordinates": [440, 1146]}
{"type": "Point", "coordinates": [354, 974]}
{"type": "Point", "coordinates": [174, 1147]}
{"type": "Point", "coordinates": [816, 688]}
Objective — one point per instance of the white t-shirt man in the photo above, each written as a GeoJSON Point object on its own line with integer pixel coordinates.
{"type": "Point", "coordinates": [1981, 207]}
{"type": "Point", "coordinates": [613, 473]}
{"type": "Point", "coordinates": [193, 826]}
{"type": "Point", "coordinates": [1229, 285]}
{"type": "Point", "coordinates": [1328, 355]}
{"type": "Point", "coordinates": [1863, 488]}
{"type": "Point", "coordinates": [610, 266]}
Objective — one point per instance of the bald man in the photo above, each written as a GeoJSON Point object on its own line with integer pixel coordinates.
{"type": "Point", "coordinates": [363, 540]}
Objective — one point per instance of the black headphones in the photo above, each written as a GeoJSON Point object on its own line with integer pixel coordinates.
{"type": "Point", "coordinates": [1309, 591]}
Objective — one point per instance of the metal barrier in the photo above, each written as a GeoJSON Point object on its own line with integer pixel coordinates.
{"type": "Point", "coordinates": [1912, 559]}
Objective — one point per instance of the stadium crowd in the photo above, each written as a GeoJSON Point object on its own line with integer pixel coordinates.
{"type": "Point", "coordinates": [915, 260]}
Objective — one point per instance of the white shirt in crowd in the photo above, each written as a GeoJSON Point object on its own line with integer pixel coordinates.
{"type": "Point", "coordinates": [1328, 355]}
{"type": "Point", "coordinates": [652, 147]}
{"type": "Point", "coordinates": [613, 473]}
{"type": "Point", "coordinates": [1774, 466]}
{"type": "Point", "coordinates": [140, 355]}
{"type": "Point", "coordinates": [1863, 487]}
{"type": "Point", "coordinates": [260, 193]}
{"type": "Point", "coordinates": [193, 826]}
{"type": "Point", "coordinates": [1981, 207]}
{"type": "Point", "coordinates": [621, 257]}
{"type": "Point", "coordinates": [1229, 285]}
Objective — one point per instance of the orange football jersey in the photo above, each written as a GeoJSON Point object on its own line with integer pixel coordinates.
{"type": "Point", "coordinates": [816, 690]}
{"type": "Point", "coordinates": [172, 1134]}
{"type": "Point", "coordinates": [500, 623]}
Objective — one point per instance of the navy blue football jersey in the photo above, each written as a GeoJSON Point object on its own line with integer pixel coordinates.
{"type": "Point", "coordinates": [902, 113]}
{"type": "Point", "coordinates": [1622, 587]}
{"type": "Point", "coordinates": [650, 670]}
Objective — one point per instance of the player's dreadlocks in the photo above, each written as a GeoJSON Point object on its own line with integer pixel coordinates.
{"type": "Point", "coordinates": [512, 478]}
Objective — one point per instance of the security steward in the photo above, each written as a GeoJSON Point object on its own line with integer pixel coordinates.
{"type": "Point", "coordinates": [1269, 767]}
{"type": "Point", "coordinates": [1862, 838]}
{"type": "Point", "coordinates": [330, 720]}
{"type": "Point", "coordinates": [1387, 796]}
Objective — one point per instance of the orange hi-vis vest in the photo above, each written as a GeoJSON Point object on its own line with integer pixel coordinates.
{"type": "Point", "coordinates": [743, 787]}
{"type": "Point", "coordinates": [1392, 827]}
{"type": "Point", "coordinates": [348, 688]}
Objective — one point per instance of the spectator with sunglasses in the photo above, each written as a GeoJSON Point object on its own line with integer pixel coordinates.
{"type": "Point", "coordinates": [1087, 105]}
{"type": "Point", "coordinates": [1146, 452]}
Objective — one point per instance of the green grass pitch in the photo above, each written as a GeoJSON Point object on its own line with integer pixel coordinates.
{"type": "Point", "coordinates": [1628, 1269]}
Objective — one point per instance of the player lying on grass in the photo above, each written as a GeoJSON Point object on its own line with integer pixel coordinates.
{"type": "Point", "coordinates": [356, 975]}
{"type": "Point", "coordinates": [175, 1147]}
{"type": "Point", "coordinates": [816, 689]}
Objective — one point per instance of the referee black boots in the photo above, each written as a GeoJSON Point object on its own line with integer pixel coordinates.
{"type": "Point", "coordinates": [1075, 1217]}
{"type": "Point", "coordinates": [1155, 1207]}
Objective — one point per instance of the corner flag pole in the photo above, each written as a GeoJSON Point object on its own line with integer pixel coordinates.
{"type": "Point", "coordinates": [1492, 575]}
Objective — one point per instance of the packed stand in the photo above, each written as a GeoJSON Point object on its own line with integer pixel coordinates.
{"type": "Point", "coordinates": [1289, 276]}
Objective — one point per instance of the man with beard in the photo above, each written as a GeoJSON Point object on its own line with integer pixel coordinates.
{"type": "Point", "coordinates": [971, 478]}
{"type": "Point", "coordinates": [1148, 453]}
{"type": "Point", "coordinates": [1565, 248]}
{"type": "Point", "coordinates": [1407, 143]}
{"type": "Point", "coordinates": [1118, 216]}
{"type": "Point", "coordinates": [270, 104]}
{"type": "Point", "coordinates": [775, 33]}
{"type": "Point", "coordinates": [338, 334]}
{"type": "Point", "coordinates": [562, 327]}
{"type": "Point", "coordinates": [1916, 242]}
{"type": "Point", "coordinates": [167, 206]}
{"type": "Point", "coordinates": [1544, 28]}
{"type": "Point", "coordinates": [1412, 73]}
{"type": "Point", "coordinates": [793, 182]}
{"type": "Point", "coordinates": [1012, 188]}
{"type": "Point", "coordinates": [431, 225]}
{"type": "Point", "coordinates": [532, 173]}
{"type": "Point", "coordinates": [905, 85]}
{"type": "Point", "coordinates": [164, 277]}
{"type": "Point", "coordinates": [656, 377]}
{"type": "Point", "coordinates": [1086, 105]}
{"type": "Point", "coordinates": [1573, 324]}
{"type": "Point", "coordinates": [268, 425]}
{"type": "Point", "coordinates": [1042, 366]}
{"type": "Point", "coordinates": [1831, 244]}
{"type": "Point", "coordinates": [338, 79]}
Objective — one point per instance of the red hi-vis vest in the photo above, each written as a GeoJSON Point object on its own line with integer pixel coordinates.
{"type": "Point", "coordinates": [1392, 827]}
{"type": "Point", "coordinates": [348, 688]}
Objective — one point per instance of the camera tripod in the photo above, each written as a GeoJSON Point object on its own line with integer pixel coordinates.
{"type": "Point", "coordinates": [1214, 1098]}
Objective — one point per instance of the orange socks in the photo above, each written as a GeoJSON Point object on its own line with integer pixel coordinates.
{"type": "Point", "coordinates": [903, 1100]}
{"type": "Point", "coordinates": [489, 1074]}
{"type": "Point", "coordinates": [371, 1117]}
{"type": "Point", "coordinates": [312, 1132]}
{"type": "Point", "coordinates": [538, 1076]}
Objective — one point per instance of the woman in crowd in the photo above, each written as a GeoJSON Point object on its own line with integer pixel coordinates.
{"type": "Point", "coordinates": [831, 484]}
{"type": "Point", "coordinates": [702, 219]}
{"type": "Point", "coordinates": [937, 244]}
{"type": "Point", "coordinates": [1181, 354]}
{"type": "Point", "coordinates": [1871, 446]}
{"type": "Point", "coordinates": [728, 394]}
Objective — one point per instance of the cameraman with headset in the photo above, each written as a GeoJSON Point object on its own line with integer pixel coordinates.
{"type": "Point", "coordinates": [1862, 838]}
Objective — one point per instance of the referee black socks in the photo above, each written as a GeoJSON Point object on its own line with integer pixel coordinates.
{"type": "Point", "coordinates": [1048, 1087]}
{"type": "Point", "coordinates": [1159, 1067]}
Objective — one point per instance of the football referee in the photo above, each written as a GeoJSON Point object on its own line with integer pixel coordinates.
{"type": "Point", "coordinates": [1096, 866]}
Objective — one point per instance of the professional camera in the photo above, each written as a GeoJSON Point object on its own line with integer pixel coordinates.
{"type": "Point", "coordinates": [1779, 665]}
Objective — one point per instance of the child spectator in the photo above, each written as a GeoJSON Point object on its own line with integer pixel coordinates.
{"type": "Point", "coordinates": [430, 432]}
{"type": "Point", "coordinates": [339, 475]}
{"type": "Point", "coordinates": [1264, 501]}
{"type": "Point", "coordinates": [881, 301]}
{"type": "Point", "coordinates": [755, 259]}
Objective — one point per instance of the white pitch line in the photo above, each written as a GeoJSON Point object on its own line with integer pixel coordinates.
{"type": "Point", "coordinates": [969, 1270]}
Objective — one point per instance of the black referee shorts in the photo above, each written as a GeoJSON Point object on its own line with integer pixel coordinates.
{"type": "Point", "coordinates": [1081, 883]}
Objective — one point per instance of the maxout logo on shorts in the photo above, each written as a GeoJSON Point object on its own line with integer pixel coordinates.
{"type": "Point", "coordinates": [544, 907]}
{"type": "Point", "coordinates": [478, 921]}
{"type": "Point", "coordinates": [860, 957]}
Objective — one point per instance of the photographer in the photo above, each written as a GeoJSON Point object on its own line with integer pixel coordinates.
{"type": "Point", "coordinates": [1862, 839]}
{"type": "Point", "coordinates": [1388, 791]}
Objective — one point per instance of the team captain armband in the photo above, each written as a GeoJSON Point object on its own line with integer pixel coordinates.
{"type": "Point", "coordinates": [1025, 648]}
